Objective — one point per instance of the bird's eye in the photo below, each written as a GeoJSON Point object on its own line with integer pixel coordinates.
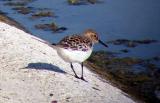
{"type": "Point", "coordinates": [95, 36]}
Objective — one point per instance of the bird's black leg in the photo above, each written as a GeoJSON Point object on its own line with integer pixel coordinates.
{"type": "Point", "coordinates": [82, 72]}
{"type": "Point", "coordinates": [74, 71]}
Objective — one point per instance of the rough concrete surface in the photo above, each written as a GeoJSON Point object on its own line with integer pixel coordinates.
{"type": "Point", "coordinates": [32, 72]}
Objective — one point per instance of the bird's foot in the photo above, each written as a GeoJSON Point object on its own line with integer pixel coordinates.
{"type": "Point", "coordinates": [77, 77]}
{"type": "Point", "coordinates": [82, 78]}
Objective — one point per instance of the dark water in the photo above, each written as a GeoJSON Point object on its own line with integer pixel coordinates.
{"type": "Point", "coordinates": [112, 19]}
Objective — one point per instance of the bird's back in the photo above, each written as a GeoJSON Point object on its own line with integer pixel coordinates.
{"type": "Point", "coordinates": [75, 42]}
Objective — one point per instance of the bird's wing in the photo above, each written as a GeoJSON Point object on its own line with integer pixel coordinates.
{"type": "Point", "coordinates": [75, 42]}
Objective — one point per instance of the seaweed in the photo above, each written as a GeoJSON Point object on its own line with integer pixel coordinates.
{"type": "Point", "coordinates": [52, 26]}
{"type": "Point", "coordinates": [122, 72]}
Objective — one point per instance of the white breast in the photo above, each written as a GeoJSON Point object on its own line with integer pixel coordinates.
{"type": "Point", "coordinates": [69, 55]}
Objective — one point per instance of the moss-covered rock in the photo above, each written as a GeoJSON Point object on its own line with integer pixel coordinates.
{"type": "Point", "coordinates": [81, 2]}
{"type": "Point", "coordinates": [131, 43]}
{"type": "Point", "coordinates": [43, 14]}
{"type": "Point", "coordinates": [121, 72]}
{"type": "Point", "coordinates": [23, 10]}
{"type": "Point", "coordinates": [52, 26]}
{"type": "Point", "coordinates": [73, 2]}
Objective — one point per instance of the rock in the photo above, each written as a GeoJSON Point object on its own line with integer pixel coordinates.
{"type": "Point", "coordinates": [125, 50]}
{"type": "Point", "coordinates": [73, 2]}
{"type": "Point", "coordinates": [43, 14]}
{"type": "Point", "coordinates": [131, 44]}
{"type": "Point", "coordinates": [92, 1]}
{"type": "Point", "coordinates": [53, 27]}
{"type": "Point", "coordinates": [23, 10]}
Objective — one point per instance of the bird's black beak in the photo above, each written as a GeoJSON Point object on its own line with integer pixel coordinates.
{"type": "Point", "coordinates": [103, 43]}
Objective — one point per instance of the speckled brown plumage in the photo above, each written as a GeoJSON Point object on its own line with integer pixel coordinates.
{"type": "Point", "coordinates": [76, 42]}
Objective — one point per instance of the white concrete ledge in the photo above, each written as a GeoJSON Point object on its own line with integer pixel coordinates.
{"type": "Point", "coordinates": [32, 72]}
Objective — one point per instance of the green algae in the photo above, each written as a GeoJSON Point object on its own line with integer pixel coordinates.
{"type": "Point", "coordinates": [51, 27]}
{"type": "Point", "coordinates": [43, 14]}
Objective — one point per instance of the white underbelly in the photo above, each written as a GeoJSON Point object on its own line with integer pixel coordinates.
{"type": "Point", "coordinates": [73, 56]}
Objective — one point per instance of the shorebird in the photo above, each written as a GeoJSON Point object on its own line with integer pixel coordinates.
{"type": "Point", "coordinates": [77, 48]}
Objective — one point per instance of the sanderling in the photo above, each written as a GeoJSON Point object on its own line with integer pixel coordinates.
{"type": "Point", "coordinates": [77, 48]}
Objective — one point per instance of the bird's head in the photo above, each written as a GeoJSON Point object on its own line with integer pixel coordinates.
{"type": "Point", "coordinates": [93, 36]}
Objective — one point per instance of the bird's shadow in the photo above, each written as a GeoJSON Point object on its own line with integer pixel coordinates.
{"type": "Point", "coordinates": [45, 66]}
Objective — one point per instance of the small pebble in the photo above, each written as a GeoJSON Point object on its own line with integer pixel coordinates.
{"type": "Point", "coordinates": [51, 94]}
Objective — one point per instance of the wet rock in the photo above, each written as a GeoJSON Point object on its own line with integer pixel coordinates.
{"type": "Point", "coordinates": [92, 1]}
{"type": "Point", "coordinates": [126, 61]}
{"type": "Point", "coordinates": [141, 78]}
{"type": "Point", "coordinates": [3, 13]}
{"type": "Point", "coordinates": [81, 2]}
{"type": "Point", "coordinates": [124, 50]}
{"type": "Point", "coordinates": [23, 10]}
{"type": "Point", "coordinates": [61, 29]}
{"type": "Point", "coordinates": [53, 27]}
{"type": "Point", "coordinates": [73, 2]}
{"type": "Point", "coordinates": [43, 14]}
{"type": "Point", "coordinates": [157, 58]}
{"type": "Point", "coordinates": [145, 41]}
{"type": "Point", "coordinates": [42, 26]}
{"type": "Point", "coordinates": [118, 41]}
{"type": "Point", "coordinates": [131, 43]}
